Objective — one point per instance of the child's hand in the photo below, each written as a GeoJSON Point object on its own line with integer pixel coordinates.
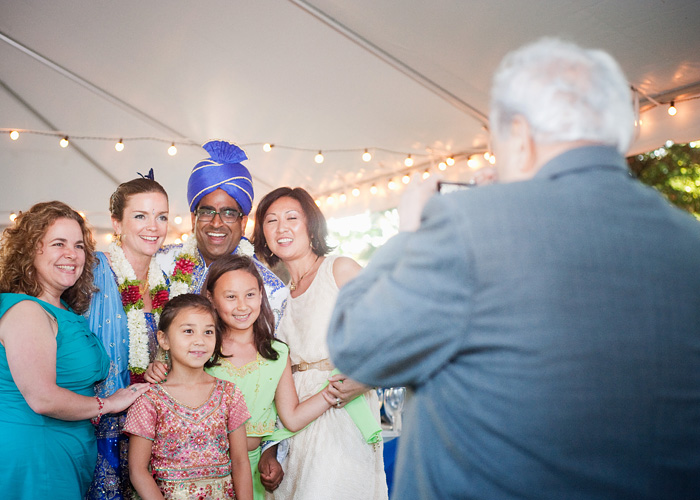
{"type": "Point", "coordinates": [156, 372]}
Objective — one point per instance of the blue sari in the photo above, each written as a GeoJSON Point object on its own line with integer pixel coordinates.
{"type": "Point", "coordinates": [107, 320]}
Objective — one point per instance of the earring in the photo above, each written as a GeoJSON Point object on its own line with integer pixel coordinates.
{"type": "Point", "coordinates": [167, 357]}
{"type": "Point", "coordinates": [118, 238]}
{"type": "Point", "coordinates": [212, 358]}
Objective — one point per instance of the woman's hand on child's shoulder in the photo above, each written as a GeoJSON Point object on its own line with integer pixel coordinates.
{"type": "Point", "coordinates": [156, 372]}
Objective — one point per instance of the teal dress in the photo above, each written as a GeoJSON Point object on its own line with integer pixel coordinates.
{"type": "Point", "coordinates": [44, 457]}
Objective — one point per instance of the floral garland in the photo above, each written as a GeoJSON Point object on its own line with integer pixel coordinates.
{"type": "Point", "coordinates": [132, 300]}
{"type": "Point", "coordinates": [185, 263]}
{"type": "Point", "coordinates": [187, 260]}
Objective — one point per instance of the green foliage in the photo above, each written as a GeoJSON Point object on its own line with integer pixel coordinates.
{"type": "Point", "coordinates": [674, 170]}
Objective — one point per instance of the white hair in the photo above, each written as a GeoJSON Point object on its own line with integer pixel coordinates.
{"type": "Point", "coordinates": [565, 93]}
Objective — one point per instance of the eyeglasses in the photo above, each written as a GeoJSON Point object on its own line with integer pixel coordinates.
{"type": "Point", "coordinates": [228, 215]}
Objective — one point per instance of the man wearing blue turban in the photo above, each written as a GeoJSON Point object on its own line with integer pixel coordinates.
{"type": "Point", "coordinates": [220, 196]}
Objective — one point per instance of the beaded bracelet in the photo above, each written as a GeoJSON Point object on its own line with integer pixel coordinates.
{"type": "Point", "coordinates": [101, 405]}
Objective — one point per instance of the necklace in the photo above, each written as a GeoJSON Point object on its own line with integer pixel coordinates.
{"type": "Point", "coordinates": [132, 301]}
{"type": "Point", "coordinates": [294, 284]}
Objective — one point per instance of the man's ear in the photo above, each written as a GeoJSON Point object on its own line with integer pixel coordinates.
{"type": "Point", "coordinates": [523, 146]}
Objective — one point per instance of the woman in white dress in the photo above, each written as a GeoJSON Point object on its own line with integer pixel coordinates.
{"type": "Point", "coordinates": [330, 458]}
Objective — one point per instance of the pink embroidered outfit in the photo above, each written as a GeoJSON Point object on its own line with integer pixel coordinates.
{"type": "Point", "coordinates": [190, 455]}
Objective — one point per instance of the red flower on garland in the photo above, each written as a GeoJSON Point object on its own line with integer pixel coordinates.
{"type": "Point", "coordinates": [159, 299]}
{"type": "Point", "coordinates": [131, 295]}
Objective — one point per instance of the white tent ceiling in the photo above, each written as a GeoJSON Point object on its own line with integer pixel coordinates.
{"type": "Point", "coordinates": [398, 78]}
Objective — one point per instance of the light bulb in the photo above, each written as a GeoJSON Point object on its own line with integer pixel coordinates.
{"type": "Point", "coordinates": [442, 165]}
{"type": "Point", "coordinates": [426, 174]}
{"type": "Point", "coordinates": [184, 236]}
{"type": "Point", "coordinates": [172, 150]}
{"type": "Point", "coordinates": [672, 109]}
{"type": "Point", "coordinates": [64, 142]}
{"type": "Point", "coordinates": [319, 158]}
{"type": "Point", "coordinates": [13, 216]}
{"type": "Point", "coordinates": [450, 161]}
{"type": "Point", "coordinates": [392, 184]}
{"type": "Point", "coordinates": [267, 147]}
{"type": "Point", "coordinates": [472, 163]}
{"type": "Point", "coordinates": [177, 219]}
{"type": "Point", "coordinates": [408, 161]}
{"type": "Point", "coordinates": [366, 156]}
{"type": "Point", "coordinates": [342, 197]}
{"type": "Point", "coordinates": [108, 237]}
{"type": "Point", "coordinates": [330, 200]}
{"type": "Point", "coordinates": [119, 146]}
{"type": "Point", "coordinates": [318, 202]}
{"type": "Point", "coordinates": [14, 135]}
{"type": "Point", "coordinates": [373, 189]}
{"type": "Point", "coordinates": [356, 192]}
{"type": "Point", "coordinates": [406, 179]}
{"type": "Point", "coordinates": [492, 159]}
{"type": "Point", "coordinates": [177, 241]}
{"type": "Point", "coordinates": [487, 155]}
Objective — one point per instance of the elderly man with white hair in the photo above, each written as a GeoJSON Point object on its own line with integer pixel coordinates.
{"type": "Point", "coordinates": [548, 325]}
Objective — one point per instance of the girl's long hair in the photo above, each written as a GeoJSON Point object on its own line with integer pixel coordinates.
{"type": "Point", "coordinates": [264, 326]}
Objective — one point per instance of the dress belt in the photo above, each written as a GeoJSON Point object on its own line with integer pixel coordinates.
{"type": "Point", "coordinates": [324, 364]}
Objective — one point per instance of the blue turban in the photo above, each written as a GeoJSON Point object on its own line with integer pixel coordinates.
{"type": "Point", "coordinates": [222, 170]}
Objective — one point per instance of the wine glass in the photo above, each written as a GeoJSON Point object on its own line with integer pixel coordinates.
{"type": "Point", "coordinates": [394, 398]}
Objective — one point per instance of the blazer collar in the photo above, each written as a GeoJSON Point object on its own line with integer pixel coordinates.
{"type": "Point", "coordinates": [583, 158]}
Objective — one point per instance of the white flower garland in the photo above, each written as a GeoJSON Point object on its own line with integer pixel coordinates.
{"type": "Point", "coordinates": [136, 318]}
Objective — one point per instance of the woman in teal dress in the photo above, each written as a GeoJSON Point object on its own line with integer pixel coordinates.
{"type": "Point", "coordinates": [49, 359]}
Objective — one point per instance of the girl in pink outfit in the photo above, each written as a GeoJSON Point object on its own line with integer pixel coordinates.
{"type": "Point", "coordinates": [189, 429]}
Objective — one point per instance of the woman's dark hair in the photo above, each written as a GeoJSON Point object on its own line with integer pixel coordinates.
{"type": "Point", "coordinates": [20, 243]}
{"type": "Point", "coordinates": [119, 199]}
{"type": "Point", "coordinates": [264, 326]}
{"type": "Point", "coordinates": [191, 301]}
{"type": "Point", "coordinates": [315, 222]}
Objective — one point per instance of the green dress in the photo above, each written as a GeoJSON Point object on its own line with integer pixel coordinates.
{"type": "Point", "coordinates": [257, 381]}
{"type": "Point", "coordinates": [45, 457]}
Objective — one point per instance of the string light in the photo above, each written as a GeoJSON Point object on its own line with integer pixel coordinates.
{"type": "Point", "coordinates": [442, 165]}
{"type": "Point", "coordinates": [172, 150]}
{"type": "Point", "coordinates": [119, 146]}
{"type": "Point", "coordinates": [672, 109]}
{"type": "Point", "coordinates": [450, 161]}
{"type": "Point", "coordinates": [373, 189]}
{"type": "Point", "coordinates": [406, 179]}
{"type": "Point", "coordinates": [64, 142]}
{"type": "Point", "coordinates": [319, 158]}
{"type": "Point", "coordinates": [342, 198]}
{"type": "Point", "coordinates": [14, 135]}
{"type": "Point", "coordinates": [177, 219]}
{"type": "Point", "coordinates": [330, 200]}
{"type": "Point", "coordinates": [492, 159]}
{"type": "Point", "coordinates": [487, 155]}
{"type": "Point", "coordinates": [13, 216]}
{"type": "Point", "coordinates": [392, 184]}
{"type": "Point", "coordinates": [267, 147]}
{"type": "Point", "coordinates": [356, 192]}
{"type": "Point", "coordinates": [472, 163]}
{"type": "Point", "coordinates": [184, 236]}
{"type": "Point", "coordinates": [408, 161]}
{"type": "Point", "coordinates": [426, 174]}
{"type": "Point", "coordinates": [366, 156]}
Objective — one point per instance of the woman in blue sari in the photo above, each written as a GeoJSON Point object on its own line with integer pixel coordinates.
{"type": "Point", "coordinates": [124, 314]}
